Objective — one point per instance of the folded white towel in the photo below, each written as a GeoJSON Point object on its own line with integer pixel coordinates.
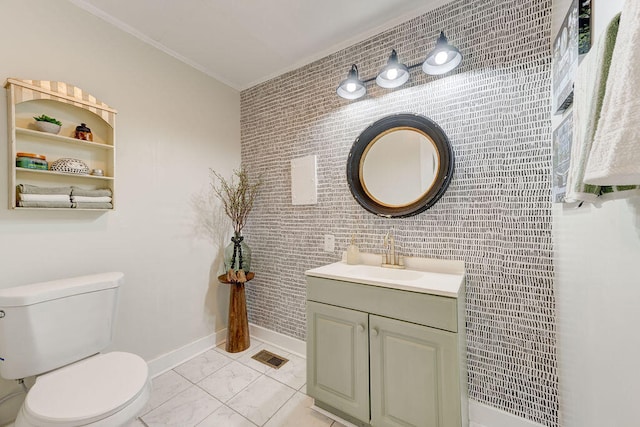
{"type": "Point", "coordinates": [615, 154]}
{"type": "Point", "coordinates": [44, 197]}
{"type": "Point", "coordinates": [81, 199]}
{"type": "Point", "coordinates": [589, 90]}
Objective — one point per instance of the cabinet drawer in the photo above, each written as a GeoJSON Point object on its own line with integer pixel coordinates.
{"type": "Point", "coordinates": [424, 309]}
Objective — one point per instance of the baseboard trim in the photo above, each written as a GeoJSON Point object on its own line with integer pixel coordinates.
{"type": "Point", "coordinates": [170, 360]}
{"type": "Point", "coordinates": [290, 344]}
{"type": "Point", "coordinates": [481, 415]}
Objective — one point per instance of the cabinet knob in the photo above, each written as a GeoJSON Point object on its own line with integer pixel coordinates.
{"type": "Point", "coordinates": [360, 327]}
{"type": "Point", "coordinates": [374, 332]}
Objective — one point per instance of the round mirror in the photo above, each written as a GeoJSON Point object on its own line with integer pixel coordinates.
{"type": "Point", "coordinates": [400, 165]}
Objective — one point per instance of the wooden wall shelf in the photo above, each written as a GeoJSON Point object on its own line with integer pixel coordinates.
{"type": "Point", "coordinates": [72, 106]}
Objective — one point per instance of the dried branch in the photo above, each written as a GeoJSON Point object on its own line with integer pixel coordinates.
{"type": "Point", "coordinates": [236, 197]}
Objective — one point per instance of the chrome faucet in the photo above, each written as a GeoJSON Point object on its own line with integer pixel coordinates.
{"type": "Point", "coordinates": [389, 258]}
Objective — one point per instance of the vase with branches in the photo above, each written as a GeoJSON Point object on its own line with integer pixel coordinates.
{"type": "Point", "coordinates": [237, 196]}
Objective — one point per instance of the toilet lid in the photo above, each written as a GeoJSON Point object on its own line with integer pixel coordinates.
{"type": "Point", "coordinates": [88, 390]}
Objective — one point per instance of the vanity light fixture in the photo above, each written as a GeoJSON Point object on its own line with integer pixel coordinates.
{"type": "Point", "coordinates": [442, 59]}
{"type": "Point", "coordinates": [352, 87]}
{"type": "Point", "coordinates": [393, 74]}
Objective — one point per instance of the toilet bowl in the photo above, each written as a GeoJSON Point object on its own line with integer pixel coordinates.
{"type": "Point", "coordinates": [104, 390]}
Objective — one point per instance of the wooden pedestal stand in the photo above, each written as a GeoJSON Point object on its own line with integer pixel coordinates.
{"type": "Point", "coordinates": [238, 325]}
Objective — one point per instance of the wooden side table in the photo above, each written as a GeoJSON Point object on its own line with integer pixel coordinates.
{"type": "Point", "coordinates": [238, 324]}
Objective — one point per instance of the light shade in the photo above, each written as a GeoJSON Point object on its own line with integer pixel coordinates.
{"type": "Point", "coordinates": [443, 58]}
{"type": "Point", "coordinates": [352, 87]}
{"type": "Point", "coordinates": [393, 74]}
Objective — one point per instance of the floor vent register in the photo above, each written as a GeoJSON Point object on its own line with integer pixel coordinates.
{"type": "Point", "coordinates": [270, 359]}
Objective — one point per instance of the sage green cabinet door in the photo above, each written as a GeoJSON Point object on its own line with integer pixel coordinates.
{"type": "Point", "coordinates": [338, 358]}
{"type": "Point", "coordinates": [414, 375]}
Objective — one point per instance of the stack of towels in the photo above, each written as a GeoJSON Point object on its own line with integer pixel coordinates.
{"type": "Point", "coordinates": [31, 196]}
{"type": "Point", "coordinates": [91, 199]}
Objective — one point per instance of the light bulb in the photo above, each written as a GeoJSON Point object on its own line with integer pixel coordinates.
{"type": "Point", "coordinates": [392, 73]}
{"type": "Point", "coordinates": [351, 87]}
{"type": "Point", "coordinates": [441, 57]}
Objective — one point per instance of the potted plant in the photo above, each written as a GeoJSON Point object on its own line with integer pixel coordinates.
{"type": "Point", "coordinates": [237, 196]}
{"type": "Point", "coordinates": [48, 124]}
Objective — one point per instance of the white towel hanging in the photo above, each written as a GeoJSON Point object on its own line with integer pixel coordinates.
{"type": "Point", "coordinates": [615, 155]}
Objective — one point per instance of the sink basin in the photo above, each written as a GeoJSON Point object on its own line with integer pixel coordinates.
{"type": "Point", "coordinates": [444, 282]}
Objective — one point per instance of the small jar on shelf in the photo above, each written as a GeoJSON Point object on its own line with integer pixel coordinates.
{"type": "Point", "coordinates": [31, 161]}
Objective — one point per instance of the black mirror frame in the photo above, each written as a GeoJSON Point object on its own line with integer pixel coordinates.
{"type": "Point", "coordinates": [370, 134]}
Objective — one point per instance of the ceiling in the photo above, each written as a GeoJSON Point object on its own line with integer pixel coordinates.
{"type": "Point", "coordinates": [245, 42]}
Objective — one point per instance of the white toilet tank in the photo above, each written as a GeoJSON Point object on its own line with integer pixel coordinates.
{"type": "Point", "coordinates": [48, 325]}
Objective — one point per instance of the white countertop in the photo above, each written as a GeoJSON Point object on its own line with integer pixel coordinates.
{"type": "Point", "coordinates": [424, 275]}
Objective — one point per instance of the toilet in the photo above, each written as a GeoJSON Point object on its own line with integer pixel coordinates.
{"type": "Point", "coordinates": [55, 330]}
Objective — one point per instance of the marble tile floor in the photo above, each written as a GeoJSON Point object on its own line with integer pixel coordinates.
{"type": "Point", "coordinates": [220, 389]}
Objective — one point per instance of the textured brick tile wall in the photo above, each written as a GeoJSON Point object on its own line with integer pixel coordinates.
{"type": "Point", "coordinates": [496, 214]}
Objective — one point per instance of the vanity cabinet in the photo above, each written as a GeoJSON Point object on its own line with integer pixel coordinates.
{"type": "Point", "coordinates": [72, 106]}
{"type": "Point", "coordinates": [384, 357]}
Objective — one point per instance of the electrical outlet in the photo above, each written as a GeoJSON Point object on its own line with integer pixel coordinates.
{"type": "Point", "coordinates": [329, 243]}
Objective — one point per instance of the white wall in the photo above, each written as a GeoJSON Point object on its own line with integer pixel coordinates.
{"type": "Point", "coordinates": [173, 124]}
{"type": "Point", "coordinates": [597, 255]}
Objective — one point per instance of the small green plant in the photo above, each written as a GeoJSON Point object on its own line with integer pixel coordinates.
{"type": "Point", "coordinates": [45, 118]}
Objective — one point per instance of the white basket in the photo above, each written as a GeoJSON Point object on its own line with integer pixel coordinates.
{"type": "Point", "coordinates": [66, 165]}
{"type": "Point", "coordinates": [47, 127]}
